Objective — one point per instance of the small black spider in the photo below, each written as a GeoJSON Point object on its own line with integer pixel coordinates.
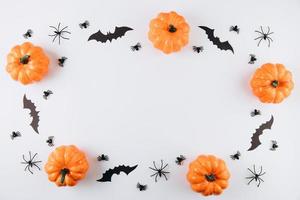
{"type": "Point", "coordinates": [141, 187]}
{"type": "Point", "coordinates": [264, 36]}
{"type": "Point", "coordinates": [235, 29]}
{"type": "Point", "coordinates": [179, 160]}
{"type": "Point", "coordinates": [15, 134]}
{"type": "Point", "coordinates": [103, 158]}
{"type": "Point", "coordinates": [50, 141]}
{"type": "Point", "coordinates": [59, 33]}
{"type": "Point", "coordinates": [159, 171]}
{"type": "Point", "coordinates": [30, 163]}
{"type": "Point", "coordinates": [274, 145]}
{"type": "Point", "coordinates": [256, 176]}
{"type": "Point", "coordinates": [28, 34]}
{"type": "Point", "coordinates": [252, 59]}
{"type": "Point", "coordinates": [198, 49]}
{"type": "Point", "coordinates": [255, 112]}
{"type": "Point", "coordinates": [47, 93]}
{"type": "Point", "coordinates": [61, 61]}
{"type": "Point", "coordinates": [236, 156]}
{"type": "Point", "coordinates": [136, 47]}
{"type": "Point", "coordinates": [85, 24]}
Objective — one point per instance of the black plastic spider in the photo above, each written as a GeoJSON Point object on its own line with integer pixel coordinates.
{"type": "Point", "coordinates": [255, 112]}
{"type": "Point", "coordinates": [256, 176]}
{"type": "Point", "coordinates": [141, 187]}
{"type": "Point", "coordinates": [252, 59]}
{"type": "Point", "coordinates": [85, 24]}
{"type": "Point", "coordinates": [198, 49]}
{"type": "Point", "coordinates": [236, 156]}
{"type": "Point", "coordinates": [59, 33]}
{"type": "Point", "coordinates": [28, 34]}
{"type": "Point", "coordinates": [61, 61]}
{"type": "Point", "coordinates": [15, 134]}
{"type": "Point", "coordinates": [136, 47]}
{"type": "Point", "coordinates": [274, 145]}
{"type": "Point", "coordinates": [103, 157]}
{"type": "Point", "coordinates": [159, 171]}
{"type": "Point", "coordinates": [235, 29]}
{"type": "Point", "coordinates": [47, 94]}
{"type": "Point", "coordinates": [30, 163]}
{"type": "Point", "coordinates": [50, 141]}
{"type": "Point", "coordinates": [264, 36]}
{"type": "Point", "coordinates": [179, 160]}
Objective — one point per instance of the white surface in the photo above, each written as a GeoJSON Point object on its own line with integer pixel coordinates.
{"type": "Point", "coordinates": [143, 106]}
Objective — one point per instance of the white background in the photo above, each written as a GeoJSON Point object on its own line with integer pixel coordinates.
{"type": "Point", "coordinates": [143, 106]}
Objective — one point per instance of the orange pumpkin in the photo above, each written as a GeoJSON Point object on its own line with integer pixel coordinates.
{"type": "Point", "coordinates": [272, 83]}
{"type": "Point", "coordinates": [169, 32]}
{"type": "Point", "coordinates": [66, 165]}
{"type": "Point", "coordinates": [27, 63]}
{"type": "Point", "coordinates": [208, 175]}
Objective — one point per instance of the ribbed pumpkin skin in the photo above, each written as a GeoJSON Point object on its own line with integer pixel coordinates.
{"type": "Point", "coordinates": [27, 63]}
{"type": "Point", "coordinates": [272, 83]}
{"type": "Point", "coordinates": [169, 32]}
{"type": "Point", "coordinates": [208, 175]}
{"type": "Point", "coordinates": [69, 160]}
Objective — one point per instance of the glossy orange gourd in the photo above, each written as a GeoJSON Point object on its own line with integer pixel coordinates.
{"type": "Point", "coordinates": [169, 32]}
{"type": "Point", "coordinates": [272, 83]}
{"type": "Point", "coordinates": [66, 165]}
{"type": "Point", "coordinates": [208, 175]}
{"type": "Point", "coordinates": [27, 63]}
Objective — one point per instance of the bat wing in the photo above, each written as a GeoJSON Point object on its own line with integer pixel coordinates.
{"type": "Point", "coordinates": [255, 142]}
{"type": "Point", "coordinates": [106, 177]}
{"type": "Point", "coordinates": [28, 104]}
{"type": "Point", "coordinates": [215, 40]}
{"type": "Point", "coordinates": [118, 33]}
{"type": "Point", "coordinates": [98, 36]}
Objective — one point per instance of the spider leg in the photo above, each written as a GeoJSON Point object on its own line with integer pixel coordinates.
{"type": "Point", "coordinates": [26, 167]}
{"type": "Point", "coordinates": [262, 30]}
{"type": "Point", "coordinates": [165, 176]}
{"type": "Point", "coordinates": [53, 35]}
{"type": "Point", "coordinates": [24, 158]}
{"type": "Point", "coordinates": [64, 37]}
{"type": "Point", "coordinates": [258, 32]}
{"type": "Point", "coordinates": [37, 166]}
{"type": "Point", "coordinates": [251, 171]}
{"type": "Point", "coordinates": [250, 181]}
{"type": "Point", "coordinates": [161, 164]}
{"type": "Point", "coordinates": [156, 177]}
{"type": "Point", "coordinates": [58, 26]}
{"type": "Point", "coordinates": [268, 42]}
{"type": "Point", "coordinates": [59, 39]}
{"type": "Point", "coordinates": [63, 28]}
{"type": "Point", "coordinates": [270, 39]}
{"type": "Point", "coordinates": [268, 30]}
{"type": "Point", "coordinates": [262, 174]}
{"type": "Point", "coordinates": [258, 183]}
{"type": "Point", "coordinates": [154, 174]}
{"type": "Point", "coordinates": [259, 42]}
{"type": "Point", "coordinates": [34, 156]}
{"type": "Point", "coordinates": [165, 166]}
{"type": "Point", "coordinates": [270, 33]}
{"type": "Point", "coordinates": [65, 32]}
{"type": "Point", "coordinates": [24, 162]}
{"type": "Point", "coordinates": [249, 177]}
{"type": "Point", "coordinates": [261, 179]}
{"type": "Point", "coordinates": [258, 37]}
{"type": "Point", "coordinates": [30, 155]}
{"type": "Point", "coordinates": [30, 170]}
{"type": "Point", "coordinates": [154, 165]}
{"type": "Point", "coordinates": [164, 172]}
{"type": "Point", "coordinates": [53, 28]}
{"type": "Point", "coordinates": [54, 38]}
{"type": "Point", "coordinates": [153, 169]}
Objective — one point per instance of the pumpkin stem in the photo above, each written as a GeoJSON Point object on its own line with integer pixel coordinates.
{"type": "Point", "coordinates": [25, 59]}
{"type": "Point", "coordinates": [210, 177]}
{"type": "Point", "coordinates": [63, 173]}
{"type": "Point", "coordinates": [172, 28]}
{"type": "Point", "coordinates": [275, 83]}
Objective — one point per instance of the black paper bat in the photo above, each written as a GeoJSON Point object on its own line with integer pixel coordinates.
{"type": "Point", "coordinates": [118, 33]}
{"type": "Point", "coordinates": [215, 40]}
{"type": "Point", "coordinates": [106, 177]}
{"type": "Point", "coordinates": [27, 104]}
{"type": "Point", "coordinates": [255, 142]}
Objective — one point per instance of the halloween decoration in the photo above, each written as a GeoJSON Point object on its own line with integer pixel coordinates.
{"type": "Point", "coordinates": [50, 141]}
{"type": "Point", "coordinates": [159, 172]}
{"type": "Point", "coordinates": [264, 36]}
{"type": "Point", "coordinates": [15, 134]}
{"type": "Point", "coordinates": [198, 49]}
{"type": "Point", "coordinates": [66, 165]}
{"type": "Point", "coordinates": [28, 34]}
{"type": "Point", "coordinates": [255, 112]}
{"type": "Point", "coordinates": [255, 142]}
{"type": "Point", "coordinates": [141, 187]}
{"type": "Point", "coordinates": [215, 40]}
{"type": "Point", "coordinates": [61, 61]}
{"type": "Point", "coordinates": [179, 160]}
{"type": "Point", "coordinates": [136, 47]}
{"type": "Point", "coordinates": [234, 29]}
{"type": "Point", "coordinates": [256, 176]}
{"type": "Point", "coordinates": [272, 83]}
{"type": "Point", "coordinates": [46, 94]}
{"type": "Point", "coordinates": [27, 104]}
{"type": "Point", "coordinates": [106, 177]}
{"type": "Point", "coordinates": [84, 25]}
{"type": "Point", "coordinates": [27, 63]}
{"type": "Point", "coordinates": [169, 32]}
{"type": "Point", "coordinates": [59, 33]}
{"type": "Point", "coordinates": [236, 156]}
{"type": "Point", "coordinates": [252, 59]}
{"type": "Point", "coordinates": [103, 157]}
{"type": "Point", "coordinates": [274, 145]}
{"type": "Point", "coordinates": [118, 33]}
{"type": "Point", "coordinates": [30, 163]}
{"type": "Point", "coordinates": [208, 175]}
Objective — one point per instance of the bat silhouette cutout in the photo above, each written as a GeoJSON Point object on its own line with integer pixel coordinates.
{"type": "Point", "coordinates": [215, 40]}
{"type": "Point", "coordinates": [118, 33]}
{"type": "Point", "coordinates": [106, 177]}
{"type": "Point", "coordinates": [27, 104]}
{"type": "Point", "coordinates": [255, 142]}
